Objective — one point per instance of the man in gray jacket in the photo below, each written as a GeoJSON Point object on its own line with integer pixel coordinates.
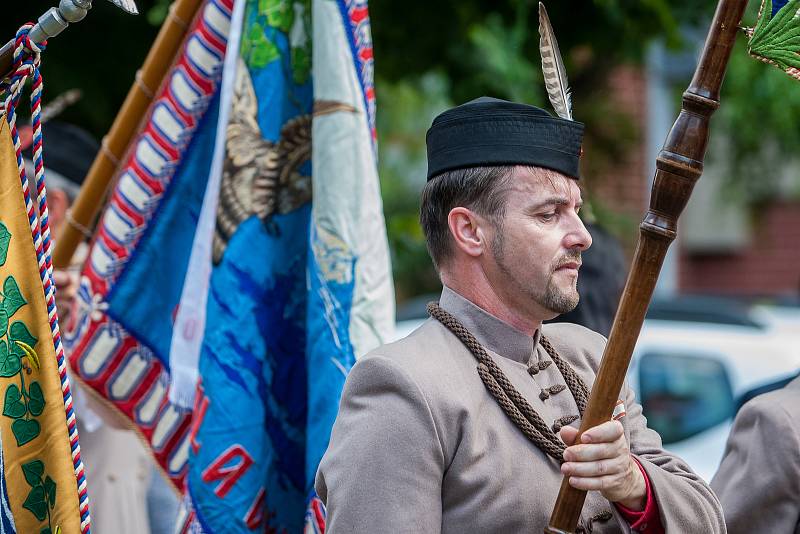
{"type": "Point", "coordinates": [758, 481]}
{"type": "Point", "coordinates": [463, 425]}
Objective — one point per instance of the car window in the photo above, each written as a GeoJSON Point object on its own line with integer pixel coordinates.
{"type": "Point", "coordinates": [683, 394]}
{"type": "Point", "coordinates": [703, 309]}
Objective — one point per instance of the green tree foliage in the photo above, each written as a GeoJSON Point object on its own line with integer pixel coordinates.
{"type": "Point", "coordinates": [407, 109]}
{"type": "Point", "coordinates": [98, 55]}
{"type": "Point", "coordinates": [759, 116]}
{"type": "Point", "coordinates": [415, 37]}
{"type": "Point", "coordinates": [480, 46]}
{"type": "Point", "coordinates": [430, 55]}
{"type": "Point", "coordinates": [476, 48]}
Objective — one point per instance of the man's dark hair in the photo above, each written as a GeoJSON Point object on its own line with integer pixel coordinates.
{"type": "Point", "coordinates": [480, 189]}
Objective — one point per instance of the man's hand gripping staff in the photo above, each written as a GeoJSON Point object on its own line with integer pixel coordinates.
{"type": "Point", "coordinates": [678, 166]}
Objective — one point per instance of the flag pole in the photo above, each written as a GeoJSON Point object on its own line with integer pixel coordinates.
{"type": "Point", "coordinates": [123, 130]}
{"type": "Point", "coordinates": [678, 166]}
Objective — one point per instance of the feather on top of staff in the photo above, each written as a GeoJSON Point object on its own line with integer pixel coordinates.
{"type": "Point", "coordinates": [555, 75]}
{"type": "Point", "coordinates": [127, 5]}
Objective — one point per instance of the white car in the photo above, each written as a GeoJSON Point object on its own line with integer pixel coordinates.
{"type": "Point", "coordinates": [689, 377]}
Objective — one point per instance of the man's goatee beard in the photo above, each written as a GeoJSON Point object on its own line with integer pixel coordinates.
{"type": "Point", "coordinates": [552, 298]}
{"type": "Point", "coordinates": [558, 301]}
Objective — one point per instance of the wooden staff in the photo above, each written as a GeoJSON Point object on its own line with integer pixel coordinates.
{"type": "Point", "coordinates": [125, 127]}
{"type": "Point", "coordinates": [678, 166]}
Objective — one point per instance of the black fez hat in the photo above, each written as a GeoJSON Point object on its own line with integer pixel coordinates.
{"type": "Point", "coordinates": [488, 132]}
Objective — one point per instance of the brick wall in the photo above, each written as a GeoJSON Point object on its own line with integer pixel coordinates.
{"type": "Point", "coordinates": [623, 186]}
{"type": "Point", "coordinates": [770, 265]}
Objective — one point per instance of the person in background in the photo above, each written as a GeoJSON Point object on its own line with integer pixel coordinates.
{"type": "Point", "coordinates": [118, 468]}
{"type": "Point", "coordinates": [758, 481]}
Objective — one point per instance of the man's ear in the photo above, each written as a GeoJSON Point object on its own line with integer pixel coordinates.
{"type": "Point", "coordinates": [465, 227]}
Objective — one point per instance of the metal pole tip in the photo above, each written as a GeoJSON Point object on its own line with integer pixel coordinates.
{"type": "Point", "coordinates": [126, 5]}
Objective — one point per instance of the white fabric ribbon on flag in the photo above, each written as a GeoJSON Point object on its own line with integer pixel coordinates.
{"type": "Point", "coordinates": [190, 322]}
{"type": "Point", "coordinates": [348, 227]}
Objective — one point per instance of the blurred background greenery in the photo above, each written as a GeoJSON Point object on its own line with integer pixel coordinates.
{"type": "Point", "coordinates": [431, 55]}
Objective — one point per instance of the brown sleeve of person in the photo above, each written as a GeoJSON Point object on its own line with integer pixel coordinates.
{"type": "Point", "coordinates": [758, 481]}
{"type": "Point", "coordinates": [382, 466]}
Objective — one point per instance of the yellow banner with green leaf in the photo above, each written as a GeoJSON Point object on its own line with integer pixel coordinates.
{"type": "Point", "coordinates": [38, 470]}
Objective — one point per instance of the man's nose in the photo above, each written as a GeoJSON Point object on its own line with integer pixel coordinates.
{"type": "Point", "coordinates": [578, 236]}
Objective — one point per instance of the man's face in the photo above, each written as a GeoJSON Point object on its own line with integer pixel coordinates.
{"type": "Point", "coordinates": [536, 248]}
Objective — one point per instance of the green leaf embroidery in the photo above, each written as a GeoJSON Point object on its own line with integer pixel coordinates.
{"type": "Point", "coordinates": [17, 402]}
{"type": "Point", "coordinates": [10, 363]}
{"type": "Point", "coordinates": [20, 332]}
{"type": "Point", "coordinates": [33, 472]}
{"type": "Point", "coordinates": [35, 399]}
{"type": "Point", "coordinates": [259, 50]}
{"type": "Point", "coordinates": [5, 239]}
{"type": "Point", "coordinates": [280, 13]}
{"type": "Point", "coordinates": [25, 430]}
{"type": "Point", "coordinates": [42, 494]}
{"type": "Point", "coordinates": [13, 406]}
{"type": "Point", "coordinates": [16, 350]}
{"type": "Point", "coordinates": [3, 320]}
{"type": "Point", "coordinates": [763, 20]}
{"type": "Point", "coordinates": [36, 503]}
{"type": "Point", "coordinates": [50, 490]}
{"type": "Point", "coordinates": [13, 296]}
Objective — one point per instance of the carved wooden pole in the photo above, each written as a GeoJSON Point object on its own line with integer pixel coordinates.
{"type": "Point", "coordinates": [678, 166]}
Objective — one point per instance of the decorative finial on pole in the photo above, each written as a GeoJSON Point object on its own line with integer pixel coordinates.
{"type": "Point", "coordinates": [58, 18]}
{"type": "Point", "coordinates": [53, 22]}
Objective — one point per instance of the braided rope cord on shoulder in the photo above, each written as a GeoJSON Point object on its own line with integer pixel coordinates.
{"type": "Point", "coordinates": [574, 382]}
{"type": "Point", "coordinates": [516, 407]}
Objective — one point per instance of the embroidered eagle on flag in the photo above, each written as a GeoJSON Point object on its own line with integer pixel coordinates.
{"type": "Point", "coordinates": [259, 177]}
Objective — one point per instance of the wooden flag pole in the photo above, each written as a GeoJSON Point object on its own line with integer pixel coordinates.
{"type": "Point", "coordinates": [123, 130]}
{"type": "Point", "coordinates": [678, 166]}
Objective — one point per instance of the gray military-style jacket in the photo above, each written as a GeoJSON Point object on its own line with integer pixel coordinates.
{"type": "Point", "coordinates": [758, 481]}
{"type": "Point", "coordinates": [420, 446]}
